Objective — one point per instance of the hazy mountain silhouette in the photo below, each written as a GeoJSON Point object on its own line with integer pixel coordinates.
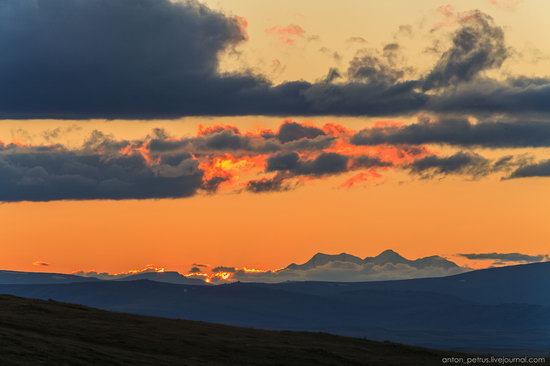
{"type": "Point", "coordinates": [22, 278]}
{"type": "Point", "coordinates": [167, 276]}
{"type": "Point", "coordinates": [37, 278]}
{"type": "Point", "coordinates": [388, 265]}
{"type": "Point", "coordinates": [321, 259]}
{"type": "Point", "coordinates": [433, 261]}
{"type": "Point", "coordinates": [386, 257]}
{"type": "Point", "coordinates": [501, 309]}
{"type": "Point", "coordinates": [321, 267]}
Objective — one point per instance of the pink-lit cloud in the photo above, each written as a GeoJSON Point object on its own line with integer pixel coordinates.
{"type": "Point", "coordinates": [288, 34]}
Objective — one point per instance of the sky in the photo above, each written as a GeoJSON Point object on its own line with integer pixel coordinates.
{"type": "Point", "coordinates": [254, 134]}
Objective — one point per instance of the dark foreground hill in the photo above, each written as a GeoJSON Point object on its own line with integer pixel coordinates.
{"type": "Point", "coordinates": [36, 332]}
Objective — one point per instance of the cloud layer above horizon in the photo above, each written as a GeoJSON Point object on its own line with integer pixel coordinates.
{"type": "Point", "coordinates": [224, 157]}
{"type": "Point", "coordinates": [144, 59]}
{"type": "Point", "coordinates": [151, 59]}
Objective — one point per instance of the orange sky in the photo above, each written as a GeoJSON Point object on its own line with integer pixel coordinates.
{"type": "Point", "coordinates": [377, 23]}
{"type": "Point", "coordinates": [415, 218]}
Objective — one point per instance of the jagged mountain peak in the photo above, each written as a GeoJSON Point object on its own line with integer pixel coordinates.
{"type": "Point", "coordinates": [387, 256]}
{"type": "Point", "coordinates": [435, 260]}
{"type": "Point", "coordinates": [320, 259]}
{"type": "Point", "coordinates": [166, 276]}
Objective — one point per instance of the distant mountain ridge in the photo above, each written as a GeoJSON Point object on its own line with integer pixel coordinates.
{"type": "Point", "coordinates": [45, 278]}
{"type": "Point", "coordinates": [321, 259]}
{"type": "Point", "coordinates": [40, 278]}
{"type": "Point", "coordinates": [386, 257]}
{"type": "Point", "coordinates": [345, 267]}
{"type": "Point", "coordinates": [165, 276]}
{"type": "Point", "coordinates": [388, 265]}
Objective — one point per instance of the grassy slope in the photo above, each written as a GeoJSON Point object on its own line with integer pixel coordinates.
{"type": "Point", "coordinates": [35, 332]}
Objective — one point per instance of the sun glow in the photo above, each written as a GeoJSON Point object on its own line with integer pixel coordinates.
{"type": "Point", "coordinates": [227, 167]}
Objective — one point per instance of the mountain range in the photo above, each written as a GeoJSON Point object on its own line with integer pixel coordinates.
{"type": "Point", "coordinates": [386, 257]}
{"type": "Point", "coordinates": [165, 276]}
{"type": "Point", "coordinates": [21, 278]}
{"type": "Point", "coordinates": [503, 310]}
{"type": "Point", "coordinates": [388, 265]}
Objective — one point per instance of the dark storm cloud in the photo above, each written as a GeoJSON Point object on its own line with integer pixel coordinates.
{"type": "Point", "coordinates": [369, 162]}
{"type": "Point", "coordinates": [109, 58]}
{"type": "Point", "coordinates": [158, 166]}
{"type": "Point", "coordinates": [106, 168]}
{"type": "Point", "coordinates": [159, 59]}
{"type": "Point", "coordinates": [211, 185]}
{"type": "Point", "coordinates": [465, 163]}
{"type": "Point", "coordinates": [370, 68]}
{"type": "Point", "coordinates": [461, 133]}
{"type": "Point", "coordinates": [104, 142]}
{"type": "Point", "coordinates": [195, 269]}
{"type": "Point", "coordinates": [461, 163]}
{"type": "Point", "coordinates": [291, 136]}
{"type": "Point", "coordinates": [226, 140]}
{"type": "Point", "coordinates": [507, 257]}
{"type": "Point", "coordinates": [477, 46]}
{"type": "Point", "coordinates": [160, 145]}
{"type": "Point", "coordinates": [286, 161]}
{"type": "Point", "coordinates": [325, 163]}
{"type": "Point", "coordinates": [363, 98]}
{"type": "Point", "coordinates": [275, 184]}
{"type": "Point", "coordinates": [515, 96]}
{"type": "Point", "coordinates": [45, 174]}
{"type": "Point", "coordinates": [291, 131]}
{"type": "Point", "coordinates": [541, 169]}
{"type": "Point", "coordinates": [218, 141]}
{"type": "Point", "coordinates": [288, 165]}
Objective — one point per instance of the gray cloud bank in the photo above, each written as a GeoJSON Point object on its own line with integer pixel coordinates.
{"type": "Point", "coordinates": [507, 258]}
{"type": "Point", "coordinates": [54, 173]}
{"type": "Point", "coordinates": [159, 59]}
{"type": "Point", "coordinates": [467, 163]}
{"type": "Point", "coordinates": [161, 166]}
{"type": "Point", "coordinates": [458, 132]}
{"type": "Point", "coordinates": [541, 169]}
